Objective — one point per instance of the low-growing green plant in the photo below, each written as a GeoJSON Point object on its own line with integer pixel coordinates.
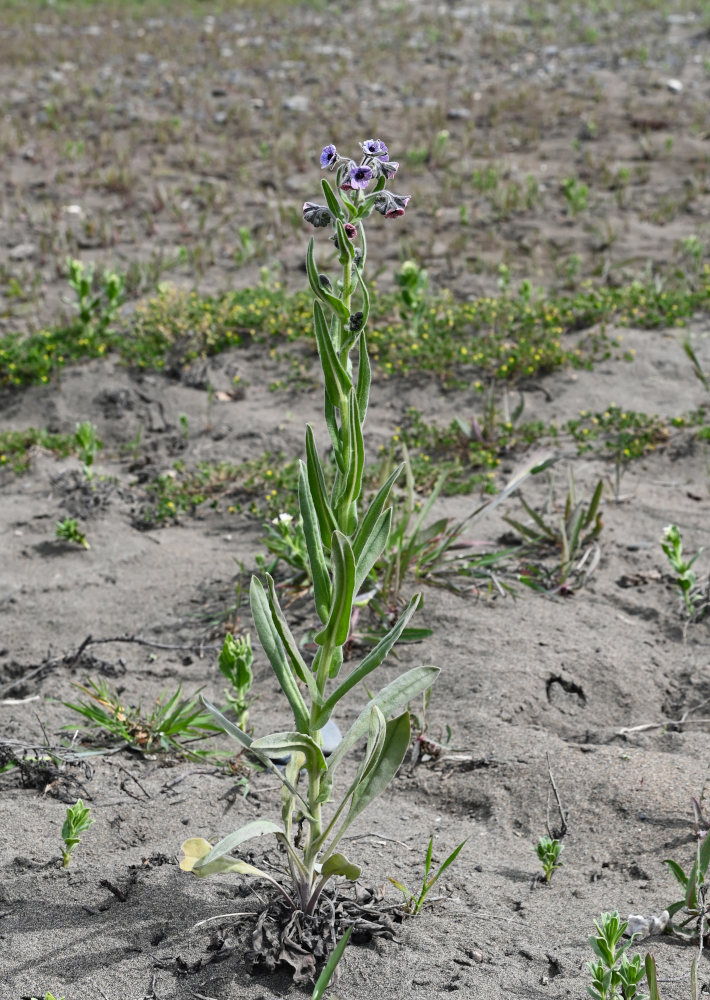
{"type": "Point", "coordinates": [68, 530]}
{"type": "Point", "coordinates": [694, 598]}
{"type": "Point", "coordinates": [413, 902]}
{"type": "Point", "coordinates": [574, 535]}
{"type": "Point", "coordinates": [548, 850]}
{"type": "Point", "coordinates": [96, 309]}
{"type": "Point", "coordinates": [78, 820]}
{"type": "Point", "coordinates": [235, 662]}
{"type": "Point", "coordinates": [692, 909]}
{"type": "Point", "coordinates": [413, 282]}
{"type": "Point", "coordinates": [613, 973]}
{"type": "Point", "coordinates": [575, 193]}
{"type": "Point", "coordinates": [286, 541]}
{"type": "Point", "coordinates": [17, 447]}
{"type": "Point", "coordinates": [87, 445]}
{"type": "Point", "coordinates": [171, 722]}
{"type": "Point", "coordinates": [49, 996]}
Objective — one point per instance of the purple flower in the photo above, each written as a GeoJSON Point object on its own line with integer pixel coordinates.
{"type": "Point", "coordinates": [350, 230]}
{"type": "Point", "coordinates": [317, 215]}
{"type": "Point", "coordinates": [329, 156]}
{"type": "Point", "coordinates": [391, 205]}
{"type": "Point", "coordinates": [374, 147]}
{"type": "Point", "coordinates": [359, 176]}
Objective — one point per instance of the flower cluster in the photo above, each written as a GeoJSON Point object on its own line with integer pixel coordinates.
{"type": "Point", "coordinates": [375, 167]}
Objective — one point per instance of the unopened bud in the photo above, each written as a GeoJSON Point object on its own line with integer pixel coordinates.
{"type": "Point", "coordinates": [355, 323]}
{"type": "Point", "coordinates": [317, 215]}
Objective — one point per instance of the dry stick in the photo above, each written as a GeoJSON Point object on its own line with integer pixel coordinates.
{"type": "Point", "coordinates": [665, 722]}
{"type": "Point", "coordinates": [133, 778]}
{"type": "Point", "coordinates": [90, 641]}
{"type": "Point", "coordinates": [563, 815]}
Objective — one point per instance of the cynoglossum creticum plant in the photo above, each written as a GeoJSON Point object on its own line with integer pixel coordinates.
{"type": "Point", "coordinates": [342, 548]}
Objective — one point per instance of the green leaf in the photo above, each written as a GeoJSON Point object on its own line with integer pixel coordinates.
{"type": "Point", "coordinates": [373, 659]}
{"type": "Point", "coordinates": [364, 376]}
{"type": "Point", "coordinates": [327, 973]}
{"type": "Point", "coordinates": [390, 699]}
{"type": "Point", "coordinates": [257, 828]}
{"type": "Point", "coordinates": [319, 493]}
{"type": "Point", "coordinates": [273, 647]}
{"type": "Point", "coordinates": [291, 649]}
{"type": "Point", "coordinates": [370, 519]}
{"type": "Point", "coordinates": [280, 744]}
{"type": "Point", "coordinates": [311, 530]}
{"type": "Point", "coordinates": [338, 864]}
{"type": "Point", "coordinates": [381, 772]}
{"type": "Point", "coordinates": [354, 452]}
{"type": "Point", "coordinates": [677, 871]}
{"type": "Point", "coordinates": [374, 547]}
{"type": "Point", "coordinates": [246, 741]}
{"type": "Point", "coordinates": [337, 627]}
{"type": "Point", "coordinates": [332, 425]}
{"type": "Point", "coordinates": [331, 200]}
{"type": "Point", "coordinates": [651, 978]}
{"type": "Point", "coordinates": [337, 380]}
{"type": "Point", "coordinates": [312, 270]}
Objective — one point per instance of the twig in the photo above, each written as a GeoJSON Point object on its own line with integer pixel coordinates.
{"type": "Point", "coordinates": [89, 641]}
{"type": "Point", "coordinates": [133, 778]}
{"type": "Point", "coordinates": [563, 815]}
{"type": "Point", "coordinates": [71, 658]}
{"type": "Point", "coordinates": [379, 836]}
{"type": "Point", "coordinates": [645, 726]}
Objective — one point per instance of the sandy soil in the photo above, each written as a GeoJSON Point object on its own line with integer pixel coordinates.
{"type": "Point", "coordinates": [590, 686]}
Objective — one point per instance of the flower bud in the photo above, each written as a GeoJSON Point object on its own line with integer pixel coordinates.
{"type": "Point", "coordinates": [324, 282]}
{"type": "Point", "coordinates": [317, 215]}
{"type": "Point", "coordinates": [355, 323]}
{"type": "Point", "coordinates": [391, 205]}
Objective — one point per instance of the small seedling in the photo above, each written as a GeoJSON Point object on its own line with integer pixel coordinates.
{"type": "Point", "coordinates": [548, 851]}
{"type": "Point", "coordinates": [87, 445]}
{"type": "Point", "coordinates": [77, 821]}
{"type": "Point", "coordinates": [613, 973]}
{"type": "Point", "coordinates": [672, 545]}
{"type": "Point", "coordinates": [49, 996]}
{"type": "Point", "coordinates": [413, 282]}
{"type": "Point", "coordinates": [235, 662]}
{"type": "Point", "coordinates": [68, 531]}
{"type": "Point", "coordinates": [414, 903]}
{"type": "Point", "coordinates": [96, 310]}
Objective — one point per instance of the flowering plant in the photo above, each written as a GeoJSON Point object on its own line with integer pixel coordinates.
{"type": "Point", "coordinates": [342, 548]}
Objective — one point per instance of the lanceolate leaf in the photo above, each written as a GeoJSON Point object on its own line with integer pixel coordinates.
{"type": "Point", "coordinates": [381, 771]}
{"type": "Point", "coordinates": [373, 513]}
{"type": "Point", "coordinates": [374, 548]}
{"type": "Point", "coordinates": [364, 375]}
{"type": "Point", "coordinates": [316, 558]}
{"type": "Point", "coordinates": [336, 630]}
{"type": "Point", "coordinates": [373, 659]}
{"type": "Point", "coordinates": [332, 425]}
{"type": "Point", "coordinates": [337, 380]}
{"type": "Point", "coordinates": [289, 643]}
{"type": "Point", "coordinates": [247, 742]}
{"type": "Point", "coordinates": [390, 699]}
{"type": "Point", "coordinates": [319, 493]}
{"type": "Point", "coordinates": [331, 200]}
{"type": "Point", "coordinates": [273, 647]}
